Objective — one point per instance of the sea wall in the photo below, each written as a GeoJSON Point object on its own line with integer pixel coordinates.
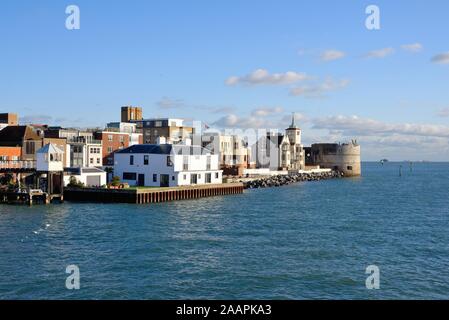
{"type": "Point", "coordinates": [282, 180]}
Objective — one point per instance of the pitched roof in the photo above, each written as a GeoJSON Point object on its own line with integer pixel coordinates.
{"type": "Point", "coordinates": [15, 135]}
{"type": "Point", "coordinates": [50, 148]}
{"type": "Point", "coordinates": [165, 149]}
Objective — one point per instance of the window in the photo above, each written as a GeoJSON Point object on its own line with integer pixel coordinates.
{"type": "Point", "coordinates": [131, 160]}
{"type": "Point", "coordinates": [30, 147]}
{"type": "Point", "coordinates": [169, 162]}
{"type": "Point", "coordinates": [109, 149]}
{"type": "Point", "coordinates": [184, 177]}
{"type": "Point", "coordinates": [98, 160]}
{"type": "Point", "coordinates": [185, 163]}
{"type": "Point", "coordinates": [154, 177]}
{"type": "Point", "coordinates": [129, 176]}
{"type": "Point", "coordinates": [158, 124]}
{"type": "Point", "coordinates": [216, 175]}
{"type": "Point", "coordinates": [173, 178]}
{"type": "Point", "coordinates": [110, 137]}
{"type": "Point", "coordinates": [91, 160]}
{"type": "Point", "coordinates": [146, 160]}
{"type": "Point", "coordinates": [208, 178]}
{"type": "Point", "coordinates": [350, 168]}
{"type": "Point", "coordinates": [122, 139]}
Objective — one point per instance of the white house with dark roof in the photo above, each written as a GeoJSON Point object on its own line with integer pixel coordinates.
{"type": "Point", "coordinates": [167, 165]}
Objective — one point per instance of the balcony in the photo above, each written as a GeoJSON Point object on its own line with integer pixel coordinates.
{"type": "Point", "coordinates": [18, 165]}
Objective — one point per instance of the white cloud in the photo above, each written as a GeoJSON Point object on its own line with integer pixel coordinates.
{"type": "Point", "coordinates": [318, 90]}
{"type": "Point", "coordinates": [413, 47]}
{"type": "Point", "coordinates": [442, 58]}
{"type": "Point", "coordinates": [263, 112]}
{"type": "Point", "coordinates": [169, 103]}
{"type": "Point", "coordinates": [444, 113]}
{"type": "Point", "coordinates": [263, 77]}
{"type": "Point", "coordinates": [355, 126]}
{"type": "Point", "coordinates": [381, 53]}
{"type": "Point", "coordinates": [259, 118]}
{"type": "Point", "coordinates": [331, 55]}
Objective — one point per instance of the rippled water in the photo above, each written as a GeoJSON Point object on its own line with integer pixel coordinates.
{"type": "Point", "coordinates": [305, 241]}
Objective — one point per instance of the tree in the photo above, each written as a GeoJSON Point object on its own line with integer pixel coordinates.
{"type": "Point", "coordinates": [115, 181]}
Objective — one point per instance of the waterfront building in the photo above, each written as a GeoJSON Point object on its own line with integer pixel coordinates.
{"type": "Point", "coordinates": [9, 156]}
{"type": "Point", "coordinates": [167, 165]}
{"type": "Point", "coordinates": [278, 151]}
{"type": "Point", "coordinates": [85, 152]}
{"type": "Point", "coordinates": [233, 151]}
{"type": "Point", "coordinates": [50, 158]}
{"type": "Point", "coordinates": [89, 177]}
{"type": "Point", "coordinates": [82, 149]}
{"type": "Point", "coordinates": [343, 157]}
{"type": "Point", "coordinates": [173, 130]}
{"type": "Point", "coordinates": [24, 137]}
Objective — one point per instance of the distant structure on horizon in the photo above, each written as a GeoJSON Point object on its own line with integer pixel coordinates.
{"type": "Point", "coordinates": [343, 157]}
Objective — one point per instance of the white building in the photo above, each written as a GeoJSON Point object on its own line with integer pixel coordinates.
{"type": "Point", "coordinates": [125, 127]}
{"type": "Point", "coordinates": [90, 177]}
{"type": "Point", "coordinates": [167, 165]}
{"type": "Point", "coordinates": [50, 158]}
{"type": "Point", "coordinates": [281, 151]}
{"type": "Point", "coordinates": [85, 152]}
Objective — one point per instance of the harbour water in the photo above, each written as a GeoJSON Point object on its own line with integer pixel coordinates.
{"type": "Point", "coordinates": [310, 240]}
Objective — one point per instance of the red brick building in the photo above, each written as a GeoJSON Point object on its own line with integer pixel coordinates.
{"type": "Point", "coordinates": [114, 141]}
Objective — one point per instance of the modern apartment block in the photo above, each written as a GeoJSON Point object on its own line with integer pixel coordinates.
{"type": "Point", "coordinates": [82, 148]}
{"type": "Point", "coordinates": [173, 130]}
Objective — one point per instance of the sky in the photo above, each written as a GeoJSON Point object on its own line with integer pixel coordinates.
{"type": "Point", "coordinates": [237, 64]}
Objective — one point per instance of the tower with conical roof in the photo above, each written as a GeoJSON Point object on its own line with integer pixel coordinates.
{"type": "Point", "coordinates": [296, 150]}
{"type": "Point", "coordinates": [294, 132]}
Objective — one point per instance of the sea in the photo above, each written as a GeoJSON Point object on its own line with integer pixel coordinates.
{"type": "Point", "coordinates": [384, 235]}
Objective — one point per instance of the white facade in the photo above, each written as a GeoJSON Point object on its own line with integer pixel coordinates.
{"type": "Point", "coordinates": [85, 154]}
{"type": "Point", "coordinates": [124, 127]}
{"type": "Point", "coordinates": [167, 166]}
{"type": "Point", "coordinates": [50, 158]}
{"type": "Point", "coordinates": [90, 177]}
{"type": "Point", "coordinates": [232, 149]}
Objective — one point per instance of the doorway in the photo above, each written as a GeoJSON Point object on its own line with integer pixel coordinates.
{"type": "Point", "coordinates": [165, 180]}
{"type": "Point", "coordinates": [141, 180]}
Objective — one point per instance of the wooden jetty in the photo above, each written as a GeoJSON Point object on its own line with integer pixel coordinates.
{"type": "Point", "coordinates": [151, 195]}
{"type": "Point", "coordinates": [29, 197]}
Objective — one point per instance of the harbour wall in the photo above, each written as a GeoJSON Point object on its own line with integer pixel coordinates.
{"type": "Point", "coordinates": [151, 195]}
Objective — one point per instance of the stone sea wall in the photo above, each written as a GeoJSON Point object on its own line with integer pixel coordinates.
{"type": "Point", "coordinates": [282, 180]}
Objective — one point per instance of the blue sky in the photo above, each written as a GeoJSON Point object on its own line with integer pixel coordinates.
{"type": "Point", "coordinates": [176, 58]}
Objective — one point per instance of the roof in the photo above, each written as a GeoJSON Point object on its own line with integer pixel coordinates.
{"type": "Point", "coordinates": [50, 148]}
{"type": "Point", "coordinates": [15, 135]}
{"type": "Point", "coordinates": [164, 149]}
{"type": "Point", "coordinates": [80, 170]}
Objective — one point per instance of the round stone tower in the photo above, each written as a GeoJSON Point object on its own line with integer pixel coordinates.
{"type": "Point", "coordinates": [342, 157]}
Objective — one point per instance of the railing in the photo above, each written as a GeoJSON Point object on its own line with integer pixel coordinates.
{"type": "Point", "coordinates": [18, 164]}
